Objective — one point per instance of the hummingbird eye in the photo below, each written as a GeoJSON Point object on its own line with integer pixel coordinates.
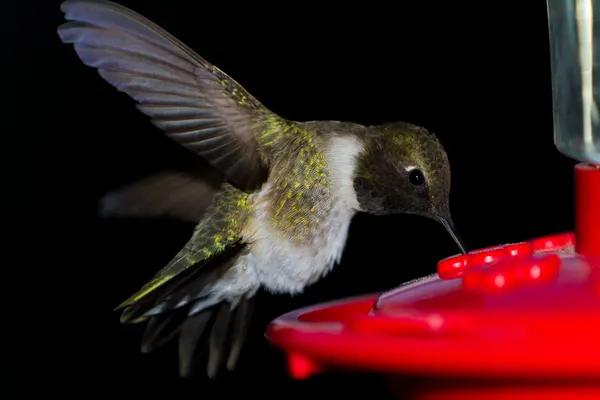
{"type": "Point", "coordinates": [416, 177]}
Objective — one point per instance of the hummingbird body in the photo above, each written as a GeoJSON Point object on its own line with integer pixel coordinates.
{"type": "Point", "coordinates": [274, 207]}
{"type": "Point", "coordinates": [302, 214]}
{"type": "Point", "coordinates": [295, 226]}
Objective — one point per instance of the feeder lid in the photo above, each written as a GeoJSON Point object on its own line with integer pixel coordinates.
{"type": "Point", "coordinates": [521, 310]}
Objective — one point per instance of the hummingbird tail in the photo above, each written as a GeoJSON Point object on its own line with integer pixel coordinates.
{"type": "Point", "coordinates": [188, 306]}
{"type": "Point", "coordinates": [223, 326]}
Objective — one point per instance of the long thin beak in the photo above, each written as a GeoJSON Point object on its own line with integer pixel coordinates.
{"type": "Point", "coordinates": [452, 231]}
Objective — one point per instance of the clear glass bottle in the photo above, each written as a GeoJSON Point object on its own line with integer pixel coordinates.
{"type": "Point", "coordinates": [574, 27]}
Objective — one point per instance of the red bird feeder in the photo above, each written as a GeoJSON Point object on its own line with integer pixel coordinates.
{"type": "Point", "coordinates": [517, 321]}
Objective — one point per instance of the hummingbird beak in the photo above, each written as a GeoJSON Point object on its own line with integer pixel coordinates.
{"type": "Point", "coordinates": [447, 222]}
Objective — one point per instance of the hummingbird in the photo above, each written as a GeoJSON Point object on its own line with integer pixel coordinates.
{"type": "Point", "coordinates": [272, 209]}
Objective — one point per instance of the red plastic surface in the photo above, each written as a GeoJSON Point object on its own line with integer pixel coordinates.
{"type": "Point", "coordinates": [518, 316]}
{"type": "Point", "coordinates": [587, 208]}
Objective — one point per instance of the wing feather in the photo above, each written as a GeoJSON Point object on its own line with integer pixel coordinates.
{"type": "Point", "coordinates": [192, 101]}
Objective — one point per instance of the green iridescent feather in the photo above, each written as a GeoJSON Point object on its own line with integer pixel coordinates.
{"type": "Point", "coordinates": [221, 227]}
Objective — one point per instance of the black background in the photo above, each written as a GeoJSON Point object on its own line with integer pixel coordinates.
{"type": "Point", "coordinates": [475, 73]}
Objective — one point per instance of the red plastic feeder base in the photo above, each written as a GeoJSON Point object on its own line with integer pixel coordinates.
{"type": "Point", "coordinates": [518, 321]}
{"type": "Point", "coordinates": [509, 322]}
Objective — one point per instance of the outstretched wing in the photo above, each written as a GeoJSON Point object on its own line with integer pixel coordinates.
{"type": "Point", "coordinates": [170, 193]}
{"type": "Point", "coordinates": [192, 101]}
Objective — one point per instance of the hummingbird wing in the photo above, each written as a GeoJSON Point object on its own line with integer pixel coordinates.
{"type": "Point", "coordinates": [172, 193]}
{"type": "Point", "coordinates": [192, 101]}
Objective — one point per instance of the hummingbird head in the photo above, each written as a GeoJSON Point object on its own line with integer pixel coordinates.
{"type": "Point", "coordinates": [404, 170]}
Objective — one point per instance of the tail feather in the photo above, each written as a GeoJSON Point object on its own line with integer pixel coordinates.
{"type": "Point", "coordinates": [186, 306]}
{"type": "Point", "coordinates": [223, 327]}
{"type": "Point", "coordinates": [239, 330]}
{"type": "Point", "coordinates": [162, 329]}
{"type": "Point", "coordinates": [218, 340]}
{"type": "Point", "coordinates": [190, 335]}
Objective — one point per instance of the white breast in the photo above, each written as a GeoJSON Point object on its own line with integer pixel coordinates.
{"type": "Point", "coordinates": [285, 267]}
